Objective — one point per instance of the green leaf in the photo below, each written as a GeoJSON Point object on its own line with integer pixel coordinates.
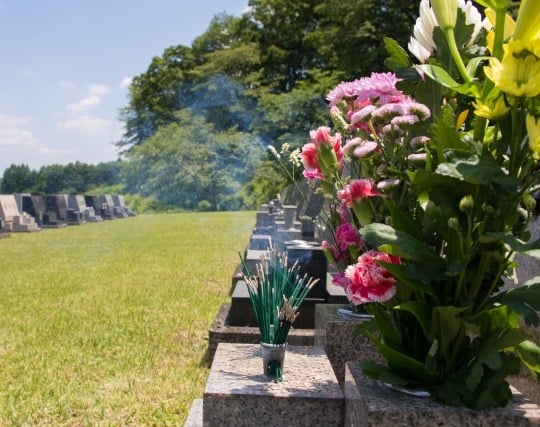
{"type": "Point", "coordinates": [447, 325]}
{"type": "Point", "coordinates": [473, 64]}
{"type": "Point", "coordinates": [446, 137]}
{"type": "Point", "coordinates": [524, 300]}
{"type": "Point", "coordinates": [475, 375]}
{"type": "Point", "coordinates": [438, 74]}
{"type": "Point", "coordinates": [398, 56]}
{"type": "Point", "coordinates": [529, 353]}
{"type": "Point", "coordinates": [531, 248]}
{"type": "Point", "coordinates": [408, 275]}
{"type": "Point", "coordinates": [489, 356]}
{"type": "Point", "coordinates": [464, 166]}
{"type": "Point", "coordinates": [421, 311]}
{"type": "Point", "coordinates": [410, 368]}
{"type": "Point", "coordinates": [399, 243]}
{"type": "Point", "coordinates": [400, 220]}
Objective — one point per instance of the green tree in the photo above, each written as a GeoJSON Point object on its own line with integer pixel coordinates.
{"type": "Point", "coordinates": [18, 179]}
{"type": "Point", "coordinates": [188, 163]}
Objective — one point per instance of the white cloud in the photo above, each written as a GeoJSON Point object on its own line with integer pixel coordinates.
{"type": "Point", "coordinates": [126, 82]}
{"type": "Point", "coordinates": [85, 124]}
{"type": "Point", "coordinates": [13, 131]}
{"type": "Point", "coordinates": [98, 89]}
{"type": "Point", "coordinates": [84, 104]}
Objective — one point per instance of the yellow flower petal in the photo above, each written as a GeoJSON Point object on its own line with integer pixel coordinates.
{"type": "Point", "coordinates": [518, 73]}
{"type": "Point", "coordinates": [533, 129]}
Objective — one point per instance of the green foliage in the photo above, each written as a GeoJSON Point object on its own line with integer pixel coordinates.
{"type": "Point", "coordinates": [187, 163]}
{"type": "Point", "coordinates": [51, 179]}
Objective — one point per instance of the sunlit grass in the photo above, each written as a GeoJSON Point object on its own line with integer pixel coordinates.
{"type": "Point", "coordinates": [107, 324]}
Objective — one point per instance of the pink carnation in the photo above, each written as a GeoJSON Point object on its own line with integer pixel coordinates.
{"type": "Point", "coordinates": [321, 135]}
{"type": "Point", "coordinates": [340, 280]}
{"type": "Point", "coordinates": [369, 281]}
{"type": "Point", "coordinates": [347, 235]}
{"type": "Point", "coordinates": [356, 190]}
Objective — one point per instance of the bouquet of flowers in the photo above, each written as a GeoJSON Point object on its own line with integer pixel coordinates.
{"type": "Point", "coordinates": [430, 173]}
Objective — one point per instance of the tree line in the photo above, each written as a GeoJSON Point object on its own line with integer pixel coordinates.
{"type": "Point", "coordinates": [75, 177]}
{"type": "Point", "coordinates": [199, 120]}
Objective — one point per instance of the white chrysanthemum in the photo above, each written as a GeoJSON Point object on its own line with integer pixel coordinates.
{"type": "Point", "coordinates": [421, 44]}
{"type": "Point", "coordinates": [472, 17]}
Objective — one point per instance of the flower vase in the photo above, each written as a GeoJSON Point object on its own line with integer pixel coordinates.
{"type": "Point", "coordinates": [273, 358]}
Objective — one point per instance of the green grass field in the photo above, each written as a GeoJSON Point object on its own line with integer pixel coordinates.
{"type": "Point", "coordinates": [107, 324]}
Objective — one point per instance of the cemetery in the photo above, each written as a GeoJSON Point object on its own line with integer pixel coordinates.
{"type": "Point", "coordinates": [23, 212]}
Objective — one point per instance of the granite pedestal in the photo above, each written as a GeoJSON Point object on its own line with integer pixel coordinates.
{"type": "Point", "coordinates": [238, 394]}
{"type": "Point", "coordinates": [369, 403]}
{"type": "Point", "coordinates": [334, 333]}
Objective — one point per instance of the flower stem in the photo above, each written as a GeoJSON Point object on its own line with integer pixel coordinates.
{"type": "Point", "coordinates": [451, 40]}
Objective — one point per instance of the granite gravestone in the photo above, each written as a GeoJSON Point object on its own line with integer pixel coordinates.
{"type": "Point", "coordinates": [77, 203]}
{"type": "Point", "coordinates": [12, 218]}
{"type": "Point", "coordinates": [100, 209]}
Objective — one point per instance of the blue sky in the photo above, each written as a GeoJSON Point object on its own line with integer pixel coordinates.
{"type": "Point", "coordinates": [65, 65]}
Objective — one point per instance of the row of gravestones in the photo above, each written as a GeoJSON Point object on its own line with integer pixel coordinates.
{"type": "Point", "coordinates": [22, 212]}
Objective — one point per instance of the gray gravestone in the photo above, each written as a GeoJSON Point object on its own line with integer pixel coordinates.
{"type": "Point", "coordinates": [12, 218]}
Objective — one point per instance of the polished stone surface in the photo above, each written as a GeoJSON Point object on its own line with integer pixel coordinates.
{"type": "Point", "coordinates": [238, 394]}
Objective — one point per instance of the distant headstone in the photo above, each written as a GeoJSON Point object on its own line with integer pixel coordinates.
{"type": "Point", "coordinates": [77, 203]}
{"type": "Point", "coordinates": [13, 219]}
{"type": "Point", "coordinates": [93, 201]}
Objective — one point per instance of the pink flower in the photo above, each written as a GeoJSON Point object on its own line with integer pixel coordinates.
{"type": "Point", "coordinates": [347, 235]}
{"type": "Point", "coordinates": [369, 281]}
{"type": "Point", "coordinates": [356, 190]}
{"type": "Point", "coordinates": [321, 135]}
{"type": "Point", "coordinates": [379, 85]}
{"type": "Point", "coordinates": [341, 91]}
{"type": "Point", "coordinates": [340, 280]}
{"type": "Point", "coordinates": [365, 148]}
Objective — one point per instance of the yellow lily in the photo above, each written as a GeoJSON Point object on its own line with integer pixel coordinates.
{"type": "Point", "coordinates": [509, 27]}
{"type": "Point", "coordinates": [533, 129]}
{"type": "Point", "coordinates": [518, 73]}
{"type": "Point", "coordinates": [528, 21]}
{"type": "Point", "coordinates": [492, 111]}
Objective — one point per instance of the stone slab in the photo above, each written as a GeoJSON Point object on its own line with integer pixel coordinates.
{"type": "Point", "coordinates": [334, 333]}
{"type": "Point", "coordinates": [8, 207]}
{"type": "Point", "coordinates": [195, 416]}
{"type": "Point", "coordinates": [238, 393]}
{"type": "Point", "coordinates": [221, 331]}
{"type": "Point", "coordinates": [369, 403]}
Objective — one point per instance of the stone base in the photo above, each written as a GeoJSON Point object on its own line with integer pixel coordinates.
{"type": "Point", "coordinates": [334, 333]}
{"type": "Point", "coordinates": [222, 332]}
{"type": "Point", "coordinates": [369, 403]}
{"type": "Point", "coordinates": [195, 416]}
{"type": "Point", "coordinates": [238, 393]}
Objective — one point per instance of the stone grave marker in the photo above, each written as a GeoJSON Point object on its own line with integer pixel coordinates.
{"type": "Point", "coordinates": [100, 209]}
{"type": "Point", "coordinates": [77, 203]}
{"type": "Point", "coordinates": [12, 218]}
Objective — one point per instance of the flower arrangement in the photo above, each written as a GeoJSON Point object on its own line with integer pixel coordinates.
{"type": "Point", "coordinates": [276, 292]}
{"type": "Point", "coordinates": [429, 173]}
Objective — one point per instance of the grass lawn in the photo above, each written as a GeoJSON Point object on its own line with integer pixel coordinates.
{"type": "Point", "coordinates": [107, 324]}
